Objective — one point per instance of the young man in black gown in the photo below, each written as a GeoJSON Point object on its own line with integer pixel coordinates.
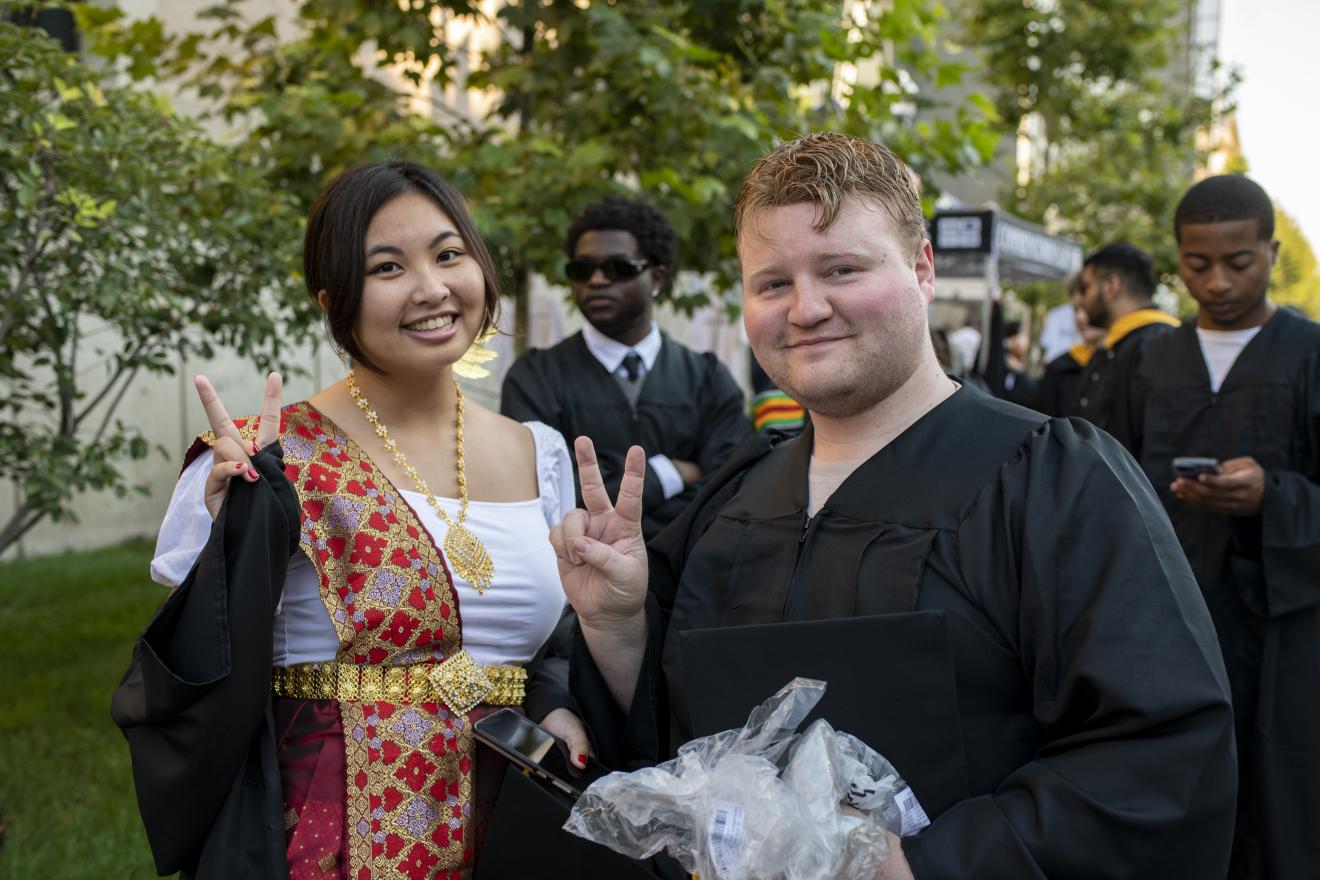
{"type": "Point", "coordinates": [1043, 617]}
{"type": "Point", "coordinates": [1117, 283]}
{"type": "Point", "coordinates": [623, 382]}
{"type": "Point", "coordinates": [1241, 385]}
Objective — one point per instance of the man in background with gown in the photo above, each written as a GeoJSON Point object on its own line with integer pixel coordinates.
{"type": "Point", "coordinates": [1117, 282]}
{"type": "Point", "coordinates": [1063, 374]}
{"type": "Point", "coordinates": [1242, 385]}
{"type": "Point", "coordinates": [621, 381]}
{"type": "Point", "coordinates": [1085, 696]}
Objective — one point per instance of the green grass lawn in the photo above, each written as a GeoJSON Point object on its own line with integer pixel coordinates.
{"type": "Point", "coordinates": [66, 792]}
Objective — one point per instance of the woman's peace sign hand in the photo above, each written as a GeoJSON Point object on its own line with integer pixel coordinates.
{"type": "Point", "coordinates": [231, 457]}
{"type": "Point", "coordinates": [601, 552]}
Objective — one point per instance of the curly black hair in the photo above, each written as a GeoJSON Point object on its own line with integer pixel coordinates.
{"type": "Point", "coordinates": [655, 237]}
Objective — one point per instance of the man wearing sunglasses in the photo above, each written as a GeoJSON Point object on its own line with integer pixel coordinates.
{"type": "Point", "coordinates": [621, 381]}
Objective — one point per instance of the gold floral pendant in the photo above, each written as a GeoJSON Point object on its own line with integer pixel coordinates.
{"type": "Point", "coordinates": [469, 558]}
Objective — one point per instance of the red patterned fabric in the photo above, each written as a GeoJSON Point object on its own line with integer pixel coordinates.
{"type": "Point", "coordinates": [311, 755]}
{"type": "Point", "coordinates": [406, 790]}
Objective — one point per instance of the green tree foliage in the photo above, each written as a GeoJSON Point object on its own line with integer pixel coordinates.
{"type": "Point", "coordinates": [1295, 280]}
{"type": "Point", "coordinates": [130, 239]}
{"type": "Point", "coordinates": [1100, 84]}
{"type": "Point", "coordinates": [127, 239]}
{"type": "Point", "coordinates": [672, 100]}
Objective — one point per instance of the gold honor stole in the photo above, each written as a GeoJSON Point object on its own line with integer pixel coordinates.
{"type": "Point", "coordinates": [387, 589]}
{"type": "Point", "coordinates": [1134, 320]}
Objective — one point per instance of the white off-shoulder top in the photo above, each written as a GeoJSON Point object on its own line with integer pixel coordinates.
{"type": "Point", "coordinates": [507, 624]}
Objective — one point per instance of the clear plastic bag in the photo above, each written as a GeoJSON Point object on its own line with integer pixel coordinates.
{"type": "Point", "coordinates": [759, 803]}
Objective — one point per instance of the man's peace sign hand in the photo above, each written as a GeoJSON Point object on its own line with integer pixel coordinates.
{"type": "Point", "coordinates": [601, 553]}
{"type": "Point", "coordinates": [231, 453]}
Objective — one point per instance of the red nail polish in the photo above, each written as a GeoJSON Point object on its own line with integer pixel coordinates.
{"type": "Point", "coordinates": [255, 447]}
{"type": "Point", "coordinates": [238, 465]}
{"type": "Point", "coordinates": [252, 473]}
{"type": "Point", "coordinates": [582, 760]}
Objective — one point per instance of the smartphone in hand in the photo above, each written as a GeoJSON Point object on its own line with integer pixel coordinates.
{"type": "Point", "coordinates": [1191, 467]}
{"type": "Point", "coordinates": [536, 750]}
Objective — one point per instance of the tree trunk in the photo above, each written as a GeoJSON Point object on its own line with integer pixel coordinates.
{"type": "Point", "coordinates": [522, 309]}
{"type": "Point", "coordinates": [24, 518]}
{"type": "Point", "coordinates": [522, 280]}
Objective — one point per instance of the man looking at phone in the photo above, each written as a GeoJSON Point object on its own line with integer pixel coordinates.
{"type": "Point", "coordinates": [621, 381]}
{"type": "Point", "coordinates": [1241, 387]}
{"type": "Point", "coordinates": [1077, 679]}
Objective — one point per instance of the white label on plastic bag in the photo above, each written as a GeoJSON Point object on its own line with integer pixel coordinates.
{"type": "Point", "coordinates": [914, 817]}
{"type": "Point", "coordinates": [867, 794]}
{"type": "Point", "coordinates": [724, 838]}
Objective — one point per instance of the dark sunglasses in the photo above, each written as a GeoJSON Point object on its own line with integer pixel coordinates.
{"type": "Point", "coordinates": [614, 268]}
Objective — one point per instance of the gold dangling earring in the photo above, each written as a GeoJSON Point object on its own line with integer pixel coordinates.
{"type": "Point", "coordinates": [472, 364]}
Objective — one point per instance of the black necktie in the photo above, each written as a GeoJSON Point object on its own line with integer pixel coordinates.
{"type": "Point", "coordinates": [632, 365]}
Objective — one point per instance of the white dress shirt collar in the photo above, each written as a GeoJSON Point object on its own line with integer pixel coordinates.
{"type": "Point", "coordinates": [611, 352]}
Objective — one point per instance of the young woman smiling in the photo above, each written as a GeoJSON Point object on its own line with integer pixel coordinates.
{"type": "Point", "coordinates": [423, 584]}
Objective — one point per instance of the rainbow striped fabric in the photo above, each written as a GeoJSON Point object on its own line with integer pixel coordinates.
{"type": "Point", "coordinates": [775, 409]}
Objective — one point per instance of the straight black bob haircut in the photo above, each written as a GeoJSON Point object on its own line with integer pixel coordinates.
{"type": "Point", "coordinates": [1129, 263]}
{"type": "Point", "coordinates": [1223, 199]}
{"type": "Point", "coordinates": [334, 258]}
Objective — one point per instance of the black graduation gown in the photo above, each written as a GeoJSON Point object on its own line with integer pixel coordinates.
{"type": "Point", "coordinates": [1260, 575]}
{"type": "Point", "coordinates": [1024, 390]}
{"type": "Point", "coordinates": [689, 408]}
{"type": "Point", "coordinates": [1095, 724]}
{"type": "Point", "coordinates": [1103, 390]}
{"type": "Point", "coordinates": [195, 702]}
{"type": "Point", "coordinates": [1058, 386]}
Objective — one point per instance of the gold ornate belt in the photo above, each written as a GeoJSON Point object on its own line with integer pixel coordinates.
{"type": "Point", "coordinates": [459, 682]}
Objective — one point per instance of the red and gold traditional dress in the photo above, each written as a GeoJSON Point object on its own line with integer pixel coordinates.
{"type": "Point", "coordinates": [376, 752]}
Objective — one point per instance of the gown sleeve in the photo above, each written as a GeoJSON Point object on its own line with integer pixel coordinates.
{"type": "Point", "coordinates": [1078, 570]}
{"type": "Point", "coordinates": [1290, 510]}
{"type": "Point", "coordinates": [723, 427]}
{"type": "Point", "coordinates": [195, 702]}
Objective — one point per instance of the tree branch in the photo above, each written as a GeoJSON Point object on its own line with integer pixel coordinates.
{"type": "Point", "coordinates": [114, 404]}
{"type": "Point", "coordinates": [20, 523]}
{"type": "Point", "coordinates": [35, 251]}
{"type": "Point", "coordinates": [64, 383]}
{"type": "Point", "coordinates": [132, 357]}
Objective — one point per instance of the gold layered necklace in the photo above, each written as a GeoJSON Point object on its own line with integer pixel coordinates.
{"type": "Point", "coordinates": [463, 549]}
